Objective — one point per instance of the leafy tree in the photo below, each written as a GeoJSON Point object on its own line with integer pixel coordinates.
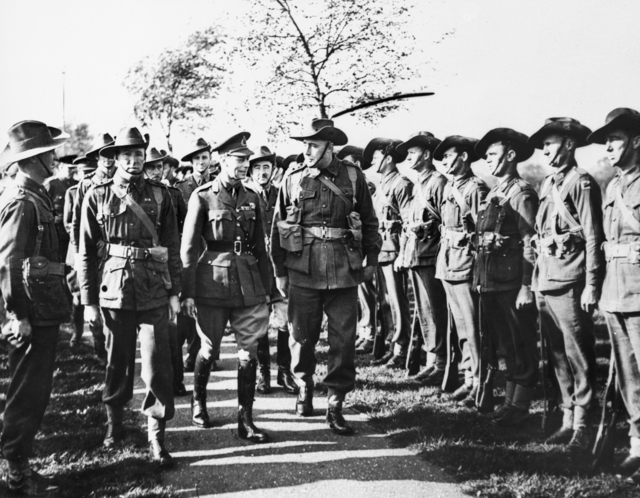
{"type": "Point", "coordinates": [328, 55]}
{"type": "Point", "coordinates": [181, 83]}
{"type": "Point", "coordinates": [80, 141]}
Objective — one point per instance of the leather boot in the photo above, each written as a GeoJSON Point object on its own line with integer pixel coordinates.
{"type": "Point", "coordinates": [246, 391]}
{"type": "Point", "coordinates": [336, 421]}
{"type": "Point", "coordinates": [304, 403]}
{"type": "Point", "coordinates": [157, 451]}
{"type": "Point", "coordinates": [264, 366]}
{"type": "Point", "coordinates": [285, 378]}
{"type": "Point", "coordinates": [201, 371]}
{"type": "Point", "coordinates": [115, 427]}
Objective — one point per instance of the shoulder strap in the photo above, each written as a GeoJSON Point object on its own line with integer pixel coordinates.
{"type": "Point", "coordinates": [138, 211]}
{"type": "Point", "coordinates": [336, 190]}
{"type": "Point", "coordinates": [424, 200]}
{"type": "Point", "coordinates": [462, 203]}
{"type": "Point", "coordinates": [627, 214]}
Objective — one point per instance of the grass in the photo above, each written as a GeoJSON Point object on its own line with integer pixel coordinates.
{"type": "Point", "coordinates": [69, 444]}
{"type": "Point", "coordinates": [488, 461]}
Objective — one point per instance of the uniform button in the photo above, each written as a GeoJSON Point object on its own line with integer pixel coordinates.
{"type": "Point", "coordinates": [324, 205]}
{"type": "Point", "coordinates": [324, 189]}
{"type": "Point", "coordinates": [237, 224]}
{"type": "Point", "coordinates": [238, 237]}
{"type": "Point", "coordinates": [482, 217]}
{"type": "Point", "coordinates": [324, 222]}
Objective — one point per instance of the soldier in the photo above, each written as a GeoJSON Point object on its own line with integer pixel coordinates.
{"type": "Point", "coordinates": [367, 293]}
{"type": "Point", "coordinates": [228, 282]}
{"type": "Point", "coordinates": [419, 248]}
{"type": "Point", "coordinates": [56, 187]}
{"type": "Point", "coordinates": [37, 300]}
{"type": "Point", "coordinates": [503, 268]}
{"type": "Point", "coordinates": [169, 167]}
{"type": "Point", "coordinates": [200, 158]}
{"type": "Point", "coordinates": [391, 201]}
{"type": "Point", "coordinates": [324, 243]}
{"type": "Point", "coordinates": [462, 197]}
{"type": "Point", "coordinates": [261, 169]}
{"type": "Point", "coordinates": [129, 265]}
{"type": "Point", "coordinates": [86, 167]}
{"type": "Point", "coordinates": [620, 299]}
{"type": "Point", "coordinates": [567, 274]}
{"type": "Point", "coordinates": [153, 171]}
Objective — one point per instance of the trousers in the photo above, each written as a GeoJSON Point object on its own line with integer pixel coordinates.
{"type": "Point", "coordinates": [150, 327]}
{"type": "Point", "coordinates": [367, 306]}
{"type": "Point", "coordinates": [514, 335]}
{"type": "Point", "coordinates": [31, 369]}
{"type": "Point", "coordinates": [572, 343]}
{"type": "Point", "coordinates": [305, 316]}
{"type": "Point", "coordinates": [396, 287]}
{"type": "Point", "coordinates": [431, 301]}
{"type": "Point", "coordinates": [624, 331]}
{"type": "Point", "coordinates": [463, 304]}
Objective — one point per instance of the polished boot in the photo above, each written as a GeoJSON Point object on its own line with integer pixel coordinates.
{"type": "Point", "coordinates": [285, 378]}
{"type": "Point", "coordinates": [264, 366]}
{"type": "Point", "coordinates": [336, 421]}
{"type": "Point", "coordinates": [304, 403]}
{"type": "Point", "coordinates": [115, 426]}
{"type": "Point", "coordinates": [157, 450]}
{"type": "Point", "coordinates": [201, 371]}
{"type": "Point", "coordinates": [246, 391]}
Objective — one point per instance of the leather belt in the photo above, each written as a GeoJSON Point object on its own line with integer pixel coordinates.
{"type": "Point", "coordinates": [327, 233]}
{"type": "Point", "coordinates": [237, 247]}
{"type": "Point", "coordinates": [630, 251]}
{"type": "Point", "coordinates": [127, 252]}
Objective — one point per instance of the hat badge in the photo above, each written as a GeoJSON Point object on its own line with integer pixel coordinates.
{"type": "Point", "coordinates": [243, 142]}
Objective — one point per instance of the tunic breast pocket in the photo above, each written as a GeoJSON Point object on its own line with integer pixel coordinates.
{"type": "Point", "coordinates": [114, 220]}
{"type": "Point", "coordinates": [249, 216]}
{"type": "Point", "coordinates": [222, 224]}
{"type": "Point", "coordinates": [213, 277]}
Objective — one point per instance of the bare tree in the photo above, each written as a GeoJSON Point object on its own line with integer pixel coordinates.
{"type": "Point", "coordinates": [313, 58]}
{"type": "Point", "coordinates": [181, 83]}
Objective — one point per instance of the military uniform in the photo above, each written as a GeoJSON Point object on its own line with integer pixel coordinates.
{"type": "Point", "coordinates": [568, 259]}
{"type": "Point", "coordinates": [504, 263]}
{"type": "Point", "coordinates": [229, 283]}
{"type": "Point", "coordinates": [99, 177]}
{"type": "Point", "coordinates": [421, 239]}
{"type": "Point", "coordinates": [118, 273]}
{"type": "Point", "coordinates": [190, 184]}
{"type": "Point", "coordinates": [57, 189]}
{"type": "Point", "coordinates": [391, 200]}
{"type": "Point", "coordinates": [454, 266]}
{"type": "Point", "coordinates": [324, 275]}
{"type": "Point", "coordinates": [34, 289]}
{"type": "Point", "coordinates": [620, 301]}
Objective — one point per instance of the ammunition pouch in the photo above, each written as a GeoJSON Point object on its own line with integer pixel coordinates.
{"type": "Point", "coordinates": [492, 241]}
{"type": "Point", "coordinates": [556, 246]}
{"type": "Point", "coordinates": [290, 235]}
{"type": "Point", "coordinates": [160, 262]}
{"type": "Point", "coordinates": [391, 226]}
{"type": "Point", "coordinates": [355, 226]}
{"type": "Point", "coordinates": [46, 286]}
{"type": "Point", "coordinates": [455, 238]}
{"type": "Point", "coordinates": [629, 251]}
{"type": "Point", "coordinates": [419, 230]}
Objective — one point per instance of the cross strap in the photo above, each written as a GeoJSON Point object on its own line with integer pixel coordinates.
{"type": "Point", "coordinates": [128, 201]}
{"type": "Point", "coordinates": [627, 214]}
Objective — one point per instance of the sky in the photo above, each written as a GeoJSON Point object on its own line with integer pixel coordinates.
{"type": "Point", "coordinates": [508, 63]}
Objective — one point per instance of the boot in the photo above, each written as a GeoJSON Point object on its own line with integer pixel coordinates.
{"type": "Point", "coordinates": [565, 433]}
{"type": "Point", "coordinates": [264, 370]}
{"type": "Point", "coordinates": [509, 390]}
{"type": "Point", "coordinates": [201, 371]}
{"type": "Point", "coordinates": [115, 427]}
{"type": "Point", "coordinates": [304, 403]}
{"type": "Point", "coordinates": [285, 379]}
{"type": "Point", "coordinates": [157, 451]}
{"type": "Point", "coordinates": [23, 480]}
{"type": "Point", "coordinates": [336, 421]}
{"type": "Point", "coordinates": [246, 391]}
{"type": "Point", "coordinates": [518, 411]}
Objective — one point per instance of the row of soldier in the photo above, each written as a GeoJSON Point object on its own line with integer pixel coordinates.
{"type": "Point", "coordinates": [479, 261]}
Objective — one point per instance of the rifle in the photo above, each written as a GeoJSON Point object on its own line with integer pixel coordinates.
{"type": "Point", "coordinates": [451, 382]}
{"type": "Point", "coordinates": [488, 365]}
{"type": "Point", "coordinates": [415, 346]}
{"type": "Point", "coordinates": [381, 331]}
{"type": "Point", "coordinates": [612, 411]}
{"type": "Point", "coordinates": [543, 358]}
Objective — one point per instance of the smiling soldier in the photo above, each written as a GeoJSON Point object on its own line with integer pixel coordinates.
{"type": "Point", "coordinates": [227, 283]}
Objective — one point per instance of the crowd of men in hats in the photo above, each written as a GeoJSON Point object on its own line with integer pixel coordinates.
{"type": "Point", "coordinates": [140, 255]}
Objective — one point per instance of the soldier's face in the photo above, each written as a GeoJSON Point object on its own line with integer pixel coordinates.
{"type": "Point", "coordinates": [377, 160]}
{"type": "Point", "coordinates": [153, 171]}
{"type": "Point", "coordinates": [261, 172]}
{"type": "Point", "coordinates": [620, 145]}
{"type": "Point", "coordinates": [454, 162]}
{"type": "Point", "coordinates": [201, 162]}
{"type": "Point", "coordinates": [131, 160]}
{"type": "Point", "coordinates": [556, 149]}
{"type": "Point", "coordinates": [414, 155]}
{"type": "Point", "coordinates": [316, 150]}
{"type": "Point", "coordinates": [106, 162]}
{"type": "Point", "coordinates": [236, 166]}
{"type": "Point", "coordinates": [496, 159]}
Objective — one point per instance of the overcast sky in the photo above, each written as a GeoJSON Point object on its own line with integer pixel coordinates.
{"type": "Point", "coordinates": [509, 63]}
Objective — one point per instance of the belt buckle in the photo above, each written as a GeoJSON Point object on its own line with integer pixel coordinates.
{"type": "Point", "coordinates": [237, 247]}
{"type": "Point", "coordinates": [323, 232]}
